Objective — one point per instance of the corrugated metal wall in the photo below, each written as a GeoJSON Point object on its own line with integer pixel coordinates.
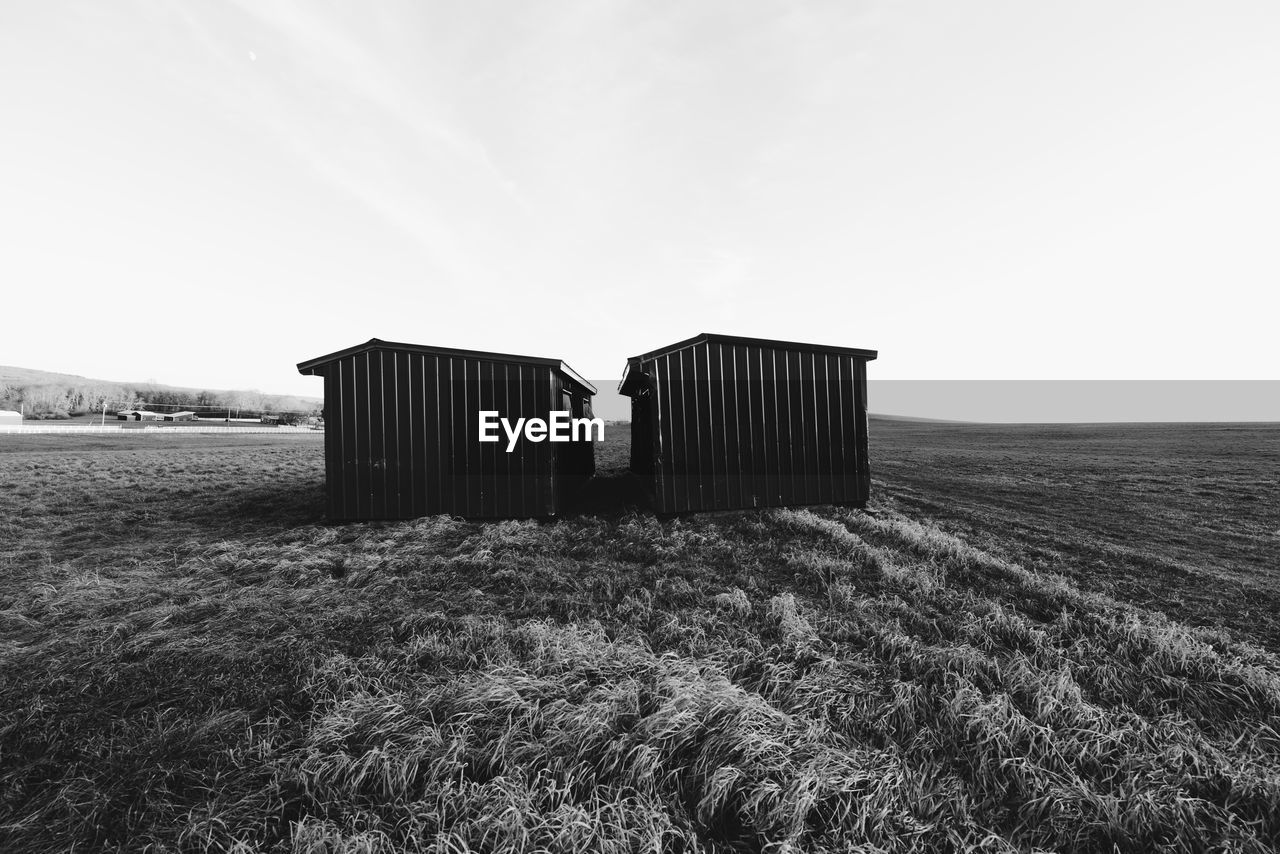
{"type": "Point", "coordinates": [734, 425]}
{"type": "Point", "coordinates": [575, 461]}
{"type": "Point", "coordinates": [401, 438]}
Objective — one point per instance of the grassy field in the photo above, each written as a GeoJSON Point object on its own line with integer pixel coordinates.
{"type": "Point", "coordinates": [191, 659]}
{"type": "Point", "coordinates": [1184, 518]}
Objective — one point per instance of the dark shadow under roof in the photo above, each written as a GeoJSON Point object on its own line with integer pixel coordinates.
{"type": "Point", "coordinates": [313, 367]}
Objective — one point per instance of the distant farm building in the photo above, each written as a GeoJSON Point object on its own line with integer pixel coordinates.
{"type": "Point", "coordinates": [137, 415]}
{"type": "Point", "coordinates": [9, 418]}
{"type": "Point", "coordinates": [178, 416]}
{"type": "Point", "coordinates": [402, 432]}
{"type": "Point", "coordinates": [721, 422]}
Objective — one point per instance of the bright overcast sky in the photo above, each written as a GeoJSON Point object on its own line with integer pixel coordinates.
{"type": "Point", "coordinates": [206, 193]}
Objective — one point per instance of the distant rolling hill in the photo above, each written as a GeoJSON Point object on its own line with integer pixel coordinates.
{"type": "Point", "coordinates": [50, 394]}
{"type": "Point", "coordinates": [12, 375]}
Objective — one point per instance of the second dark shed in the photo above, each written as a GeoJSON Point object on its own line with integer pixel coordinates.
{"type": "Point", "coordinates": [402, 426]}
{"type": "Point", "coordinates": [721, 422]}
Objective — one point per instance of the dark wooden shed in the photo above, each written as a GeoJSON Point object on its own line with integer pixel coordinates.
{"type": "Point", "coordinates": [402, 432]}
{"type": "Point", "coordinates": [721, 422]}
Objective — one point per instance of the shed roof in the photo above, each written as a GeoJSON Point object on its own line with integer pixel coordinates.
{"type": "Point", "coordinates": [742, 342]}
{"type": "Point", "coordinates": [756, 342]}
{"type": "Point", "coordinates": [314, 367]}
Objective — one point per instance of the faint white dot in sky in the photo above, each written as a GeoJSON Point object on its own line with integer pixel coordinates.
{"type": "Point", "coordinates": [253, 56]}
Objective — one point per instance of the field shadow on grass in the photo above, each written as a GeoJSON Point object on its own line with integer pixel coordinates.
{"type": "Point", "coordinates": [276, 505]}
{"type": "Point", "coordinates": [228, 512]}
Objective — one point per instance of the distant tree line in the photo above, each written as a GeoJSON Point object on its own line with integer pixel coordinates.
{"type": "Point", "coordinates": [53, 401]}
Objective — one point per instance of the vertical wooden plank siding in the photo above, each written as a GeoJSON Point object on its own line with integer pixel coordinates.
{"type": "Point", "coordinates": [701, 475]}
{"type": "Point", "coordinates": [529, 462]}
{"type": "Point", "coordinates": [506, 472]}
{"type": "Point", "coordinates": [360, 417]}
{"type": "Point", "coordinates": [351, 442]}
{"type": "Point", "coordinates": [764, 427]}
{"type": "Point", "coordinates": [556, 458]}
{"type": "Point", "coordinates": [836, 426]}
{"type": "Point", "coordinates": [773, 429]}
{"type": "Point", "coordinates": [477, 382]}
{"type": "Point", "coordinates": [740, 425]}
{"type": "Point", "coordinates": [436, 436]}
{"type": "Point", "coordinates": [667, 440]}
{"type": "Point", "coordinates": [821, 429]}
{"type": "Point", "coordinates": [686, 418]}
{"type": "Point", "coordinates": [706, 474]}
{"type": "Point", "coordinates": [376, 452]}
{"type": "Point", "coordinates": [473, 505]}
{"type": "Point", "coordinates": [404, 434]}
{"type": "Point", "coordinates": [850, 422]}
{"type": "Point", "coordinates": [795, 424]}
{"type": "Point", "coordinates": [548, 399]}
{"type": "Point", "coordinates": [716, 426]}
{"type": "Point", "coordinates": [814, 491]}
{"type": "Point", "coordinates": [533, 478]}
{"type": "Point", "coordinates": [729, 425]}
{"type": "Point", "coordinates": [402, 437]}
{"type": "Point", "coordinates": [488, 471]}
{"type": "Point", "coordinates": [676, 447]}
{"type": "Point", "coordinates": [460, 400]}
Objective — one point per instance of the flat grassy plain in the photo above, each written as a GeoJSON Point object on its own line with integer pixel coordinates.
{"type": "Point", "coordinates": [192, 659]}
{"type": "Point", "coordinates": [1183, 518]}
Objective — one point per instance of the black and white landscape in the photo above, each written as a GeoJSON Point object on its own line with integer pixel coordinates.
{"type": "Point", "coordinates": [954, 527]}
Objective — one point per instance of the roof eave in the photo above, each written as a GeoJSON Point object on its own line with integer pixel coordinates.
{"type": "Point", "coordinates": [576, 377]}
{"type": "Point", "coordinates": [629, 380]}
{"type": "Point", "coordinates": [315, 367]}
{"type": "Point", "coordinates": [757, 342]}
